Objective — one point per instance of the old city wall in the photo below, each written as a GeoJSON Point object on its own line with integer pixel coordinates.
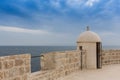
{"type": "Point", "coordinates": [53, 65]}
{"type": "Point", "coordinates": [110, 57]}
{"type": "Point", "coordinates": [57, 64]}
{"type": "Point", "coordinates": [16, 67]}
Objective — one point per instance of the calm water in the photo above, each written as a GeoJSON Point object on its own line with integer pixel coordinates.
{"type": "Point", "coordinates": [34, 51]}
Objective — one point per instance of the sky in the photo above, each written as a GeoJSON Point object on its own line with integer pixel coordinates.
{"type": "Point", "coordinates": [58, 22]}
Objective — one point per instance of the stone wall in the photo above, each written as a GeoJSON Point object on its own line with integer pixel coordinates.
{"type": "Point", "coordinates": [110, 57]}
{"type": "Point", "coordinates": [57, 60]}
{"type": "Point", "coordinates": [53, 65]}
{"type": "Point", "coordinates": [16, 67]}
{"type": "Point", "coordinates": [57, 64]}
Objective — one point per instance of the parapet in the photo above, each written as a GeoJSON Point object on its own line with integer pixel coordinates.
{"type": "Point", "coordinates": [110, 57]}
{"type": "Point", "coordinates": [54, 65]}
{"type": "Point", "coordinates": [16, 67]}
{"type": "Point", "coordinates": [57, 60]}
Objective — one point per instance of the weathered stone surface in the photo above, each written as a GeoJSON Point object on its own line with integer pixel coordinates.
{"type": "Point", "coordinates": [18, 67]}
{"type": "Point", "coordinates": [19, 62]}
{"type": "Point", "coordinates": [1, 75]}
{"type": "Point", "coordinates": [0, 65]}
{"type": "Point", "coordinates": [110, 57]}
{"type": "Point", "coordinates": [12, 57]}
{"type": "Point", "coordinates": [27, 69]}
{"type": "Point", "coordinates": [2, 59]}
{"type": "Point", "coordinates": [8, 64]}
{"type": "Point", "coordinates": [6, 74]}
{"type": "Point", "coordinates": [16, 78]}
{"type": "Point", "coordinates": [13, 72]}
{"type": "Point", "coordinates": [13, 67]}
{"type": "Point", "coordinates": [25, 77]}
{"type": "Point", "coordinates": [64, 64]}
{"type": "Point", "coordinates": [21, 70]}
{"type": "Point", "coordinates": [27, 62]}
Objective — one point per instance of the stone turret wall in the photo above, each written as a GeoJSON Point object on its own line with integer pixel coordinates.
{"type": "Point", "coordinates": [16, 67]}
{"type": "Point", "coordinates": [110, 57]}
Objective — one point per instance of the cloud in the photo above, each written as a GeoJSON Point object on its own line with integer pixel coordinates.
{"type": "Point", "coordinates": [74, 2]}
{"type": "Point", "coordinates": [22, 30]}
{"type": "Point", "coordinates": [55, 3]}
{"type": "Point", "coordinates": [22, 36]}
{"type": "Point", "coordinates": [91, 2]}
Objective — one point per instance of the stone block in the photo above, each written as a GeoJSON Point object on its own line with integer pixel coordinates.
{"type": "Point", "coordinates": [16, 78]}
{"type": "Point", "coordinates": [1, 75]}
{"type": "Point", "coordinates": [26, 56]}
{"type": "Point", "coordinates": [13, 72]}
{"type": "Point", "coordinates": [8, 64]}
{"type": "Point", "coordinates": [2, 59]}
{"type": "Point", "coordinates": [12, 57]}
{"type": "Point", "coordinates": [0, 65]}
{"type": "Point", "coordinates": [27, 62]}
{"type": "Point", "coordinates": [21, 71]}
{"type": "Point", "coordinates": [27, 69]}
{"type": "Point", "coordinates": [6, 74]}
{"type": "Point", "coordinates": [25, 77]}
{"type": "Point", "coordinates": [19, 62]}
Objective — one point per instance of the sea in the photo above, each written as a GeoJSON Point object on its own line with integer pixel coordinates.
{"type": "Point", "coordinates": [37, 50]}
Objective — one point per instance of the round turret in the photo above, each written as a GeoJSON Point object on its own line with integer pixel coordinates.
{"type": "Point", "coordinates": [90, 42]}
